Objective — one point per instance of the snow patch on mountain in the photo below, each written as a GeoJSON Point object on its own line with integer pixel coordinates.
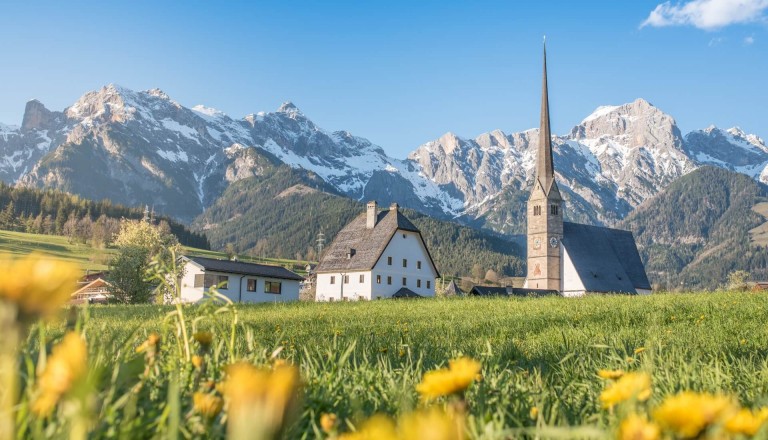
{"type": "Point", "coordinates": [600, 112]}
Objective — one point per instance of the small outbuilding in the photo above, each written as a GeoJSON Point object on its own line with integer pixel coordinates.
{"type": "Point", "coordinates": [453, 290]}
{"type": "Point", "coordinates": [238, 281]}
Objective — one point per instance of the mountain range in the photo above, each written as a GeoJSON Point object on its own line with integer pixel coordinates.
{"type": "Point", "coordinates": [618, 166]}
{"type": "Point", "coordinates": [145, 148]}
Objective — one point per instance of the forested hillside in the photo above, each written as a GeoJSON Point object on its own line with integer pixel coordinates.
{"type": "Point", "coordinates": [54, 212]}
{"type": "Point", "coordinates": [281, 213]}
{"type": "Point", "coordinates": [699, 227]}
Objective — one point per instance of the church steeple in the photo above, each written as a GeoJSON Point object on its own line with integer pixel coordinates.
{"type": "Point", "coordinates": [545, 170]}
{"type": "Point", "coordinates": [545, 213]}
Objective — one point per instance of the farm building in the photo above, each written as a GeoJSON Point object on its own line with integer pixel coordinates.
{"type": "Point", "coordinates": [377, 255]}
{"type": "Point", "coordinates": [238, 281]}
{"type": "Point", "coordinates": [569, 257]}
{"type": "Point", "coordinates": [92, 288]}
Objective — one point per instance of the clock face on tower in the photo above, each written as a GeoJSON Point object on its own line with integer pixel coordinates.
{"type": "Point", "coordinates": [537, 243]}
{"type": "Point", "coordinates": [553, 242]}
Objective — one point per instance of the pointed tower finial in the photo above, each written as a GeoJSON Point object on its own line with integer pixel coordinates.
{"type": "Point", "coordinates": [545, 172]}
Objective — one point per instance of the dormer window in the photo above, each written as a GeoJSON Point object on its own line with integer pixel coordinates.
{"type": "Point", "coordinates": [350, 254]}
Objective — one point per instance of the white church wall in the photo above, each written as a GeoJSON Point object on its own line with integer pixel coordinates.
{"type": "Point", "coordinates": [571, 284]}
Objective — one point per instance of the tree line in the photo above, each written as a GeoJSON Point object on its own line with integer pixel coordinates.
{"type": "Point", "coordinates": [54, 212]}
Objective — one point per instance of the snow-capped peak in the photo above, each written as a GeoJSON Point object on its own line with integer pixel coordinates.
{"type": "Point", "coordinates": [157, 93]}
{"type": "Point", "coordinates": [290, 109]}
{"type": "Point", "coordinates": [208, 112]}
{"type": "Point", "coordinates": [753, 139]}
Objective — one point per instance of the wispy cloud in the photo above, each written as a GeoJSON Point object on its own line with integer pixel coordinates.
{"type": "Point", "coordinates": [715, 41]}
{"type": "Point", "coordinates": [749, 40]}
{"type": "Point", "coordinates": [706, 14]}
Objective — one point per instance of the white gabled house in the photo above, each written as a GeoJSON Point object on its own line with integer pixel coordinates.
{"type": "Point", "coordinates": [377, 255]}
{"type": "Point", "coordinates": [238, 281]}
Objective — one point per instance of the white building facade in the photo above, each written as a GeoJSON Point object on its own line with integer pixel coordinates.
{"type": "Point", "coordinates": [238, 281]}
{"type": "Point", "coordinates": [378, 255]}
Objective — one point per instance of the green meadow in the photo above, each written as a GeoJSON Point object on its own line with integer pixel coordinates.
{"type": "Point", "coordinates": [539, 357]}
{"type": "Point", "coordinates": [91, 258]}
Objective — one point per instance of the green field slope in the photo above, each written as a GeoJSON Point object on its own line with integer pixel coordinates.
{"type": "Point", "coordinates": [95, 259]}
{"type": "Point", "coordinates": [360, 358]}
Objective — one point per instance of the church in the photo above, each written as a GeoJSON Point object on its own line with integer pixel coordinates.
{"type": "Point", "coordinates": [572, 258]}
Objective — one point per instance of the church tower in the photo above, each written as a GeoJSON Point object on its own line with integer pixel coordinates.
{"type": "Point", "coordinates": [545, 210]}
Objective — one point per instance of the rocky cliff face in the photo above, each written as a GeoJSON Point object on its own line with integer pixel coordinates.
{"type": "Point", "coordinates": [613, 160]}
{"type": "Point", "coordinates": [144, 148]}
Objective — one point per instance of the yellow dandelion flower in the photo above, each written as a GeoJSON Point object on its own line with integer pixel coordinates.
{"type": "Point", "coordinates": [378, 427]}
{"type": "Point", "coordinates": [37, 286]}
{"type": "Point", "coordinates": [197, 361]}
{"type": "Point", "coordinates": [208, 405]}
{"type": "Point", "coordinates": [746, 422]}
{"type": "Point", "coordinates": [328, 422]}
{"type": "Point", "coordinates": [66, 366]}
{"type": "Point", "coordinates": [150, 345]}
{"type": "Point", "coordinates": [260, 400]}
{"type": "Point", "coordinates": [203, 338]}
{"type": "Point", "coordinates": [534, 413]}
{"type": "Point", "coordinates": [636, 427]}
{"type": "Point", "coordinates": [630, 386]}
{"type": "Point", "coordinates": [446, 381]}
{"type": "Point", "coordinates": [610, 374]}
{"type": "Point", "coordinates": [689, 413]}
{"type": "Point", "coordinates": [432, 423]}
{"type": "Point", "coordinates": [639, 350]}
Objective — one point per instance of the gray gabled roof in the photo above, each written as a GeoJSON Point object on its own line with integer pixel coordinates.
{"type": "Point", "coordinates": [405, 292]}
{"type": "Point", "coordinates": [606, 259]}
{"type": "Point", "coordinates": [488, 291]}
{"type": "Point", "coordinates": [241, 268]}
{"type": "Point", "coordinates": [368, 244]}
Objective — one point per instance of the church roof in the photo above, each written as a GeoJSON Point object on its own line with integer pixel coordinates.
{"type": "Point", "coordinates": [606, 259]}
{"type": "Point", "coordinates": [545, 168]}
{"type": "Point", "coordinates": [365, 245]}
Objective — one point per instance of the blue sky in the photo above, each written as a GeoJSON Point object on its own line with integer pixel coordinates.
{"type": "Point", "coordinates": [399, 73]}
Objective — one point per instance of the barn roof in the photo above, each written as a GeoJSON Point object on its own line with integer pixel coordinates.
{"type": "Point", "coordinates": [606, 259]}
{"type": "Point", "coordinates": [242, 268]}
{"type": "Point", "coordinates": [366, 245]}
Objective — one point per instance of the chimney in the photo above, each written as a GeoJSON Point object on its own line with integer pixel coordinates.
{"type": "Point", "coordinates": [393, 206]}
{"type": "Point", "coordinates": [372, 213]}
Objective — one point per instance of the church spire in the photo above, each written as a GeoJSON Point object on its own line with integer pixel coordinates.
{"type": "Point", "coordinates": [545, 170]}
